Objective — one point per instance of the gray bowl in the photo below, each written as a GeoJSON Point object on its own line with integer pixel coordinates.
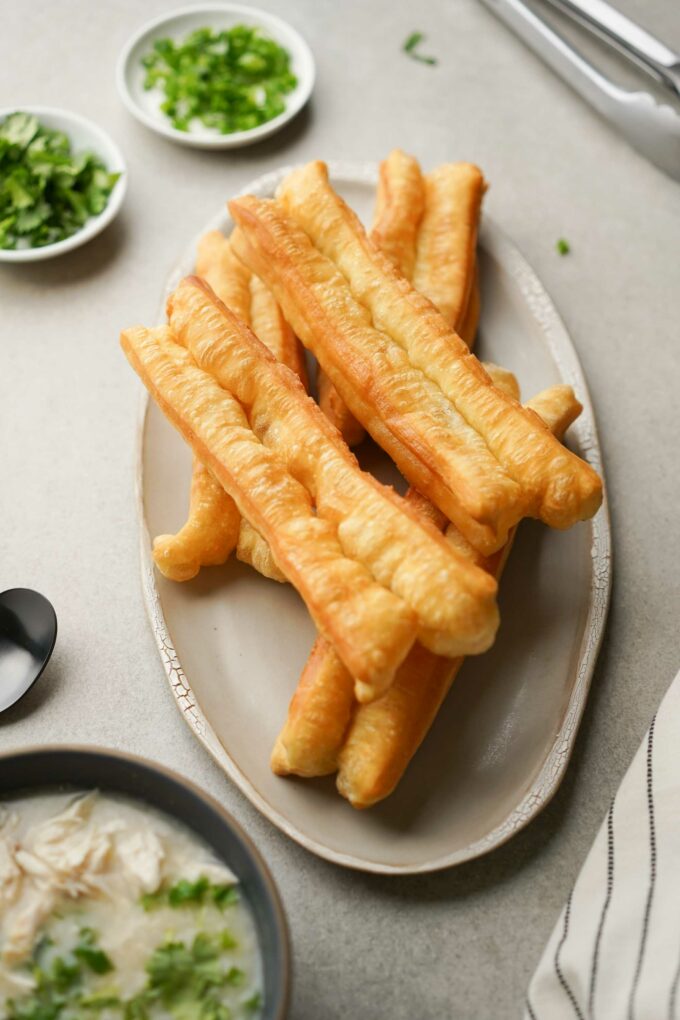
{"type": "Point", "coordinates": [83, 768]}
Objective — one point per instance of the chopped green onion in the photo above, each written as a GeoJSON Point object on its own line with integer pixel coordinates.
{"type": "Point", "coordinates": [563, 246]}
{"type": "Point", "coordinates": [412, 41]}
{"type": "Point", "coordinates": [232, 80]}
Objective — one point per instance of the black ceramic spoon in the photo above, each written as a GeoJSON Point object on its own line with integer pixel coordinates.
{"type": "Point", "coordinates": [28, 630]}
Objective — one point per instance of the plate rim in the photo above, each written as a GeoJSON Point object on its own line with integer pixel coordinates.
{"type": "Point", "coordinates": [549, 777]}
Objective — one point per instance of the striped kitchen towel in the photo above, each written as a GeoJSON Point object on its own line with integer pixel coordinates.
{"type": "Point", "coordinates": [614, 953]}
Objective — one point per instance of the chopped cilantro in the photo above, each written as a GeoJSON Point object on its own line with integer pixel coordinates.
{"type": "Point", "coordinates": [412, 42]}
{"type": "Point", "coordinates": [225, 895]}
{"type": "Point", "coordinates": [149, 901]}
{"type": "Point", "coordinates": [227, 940]}
{"type": "Point", "coordinates": [89, 953]}
{"type": "Point", "coordinates": [231, 80]}
{"type": "Point", "coordinates": [186, 893]}
{"type": "Point", "coordinates": [253, 1001]}
{"type": "Point", "coordinates": [47, 192]}
{"type": "Point", "coordinates": [185, 980]}
{"type": "Point", "coordinates": [563, 246]}
{"type": "Point", "coordinates": [102, 1000]}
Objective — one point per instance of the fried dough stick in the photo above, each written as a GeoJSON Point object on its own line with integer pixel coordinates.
{"type": "Point", "coordinates": [370, 627]}
{"type": "Point", "coordinates": [406, 413]}
{"type": "Point", "coordinates": [400, 199]}
{"type": "Point", "coordinates": [447, 240]}
{"type": "Point", "coordinates": [453, 606]}
{"type": "Point", "coordinates": [321, 707]}
{"type": "Point", "coordinates": [383, 737]}
{"type": "Point", "coordinates": [213, 526]}
{"type": "Point", "coordinates": [211, 530]}
{"type": "Point", "coordinates": [427, 228]}
{"type": "Point", "coordinates": [358, 313]}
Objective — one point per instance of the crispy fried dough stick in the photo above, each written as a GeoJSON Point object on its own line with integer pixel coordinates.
{"type": "Point", "coordinates": [400, 199]}
{"type": "Point", "coordinates": [467, 328]}
{"type": "Point", "coordinates": [228, 277]}
{"type": "Point", "coordinates": [406, 413]}
{"type": "Point", "coordinates": [268, 324]}
{"type": "Point", "coordinates": [214, 526]}
{"type": "Point", "coordinates": [560, 487]}
{"type": "Point", "coordinates": [384, 736]}
{"type": "Point", "coordinates": [447, 239]}
{"type": "Point", "coordinates": [311, 741]}
{"type": "Point", "coordinates": [321, 708]}
{"type": "Point", "coordinates": [399, 208]}
{"type": "Point", "coordinates": [426, 226]}
{"type": "Point", "coordinates": [209, 535]}
{"type": "Point", "coordinates": [369, 626]}
{"type": "Point", "coordinates": [453, 605]}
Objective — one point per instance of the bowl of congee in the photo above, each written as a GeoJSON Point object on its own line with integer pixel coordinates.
{"type": "Point", "coordinates": [126, 893]}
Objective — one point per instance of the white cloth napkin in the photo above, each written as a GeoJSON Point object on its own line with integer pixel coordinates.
{"type": "Point", "coordinates": [615, 951]}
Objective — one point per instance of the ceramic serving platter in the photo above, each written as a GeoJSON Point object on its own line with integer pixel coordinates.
{"type": "Point", "coordinates": [233, 643]}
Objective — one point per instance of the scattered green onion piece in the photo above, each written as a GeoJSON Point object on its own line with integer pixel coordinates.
{"type": "Point", "coordinates": [412, 41]}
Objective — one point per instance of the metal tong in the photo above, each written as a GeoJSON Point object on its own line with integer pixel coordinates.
{"type": "Point", "coordinates": [651, 127]}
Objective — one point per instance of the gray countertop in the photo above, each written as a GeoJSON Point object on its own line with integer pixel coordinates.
{"type": "Point", "coordinates": [462, 943]}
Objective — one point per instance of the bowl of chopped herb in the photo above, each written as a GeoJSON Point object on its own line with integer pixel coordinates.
{"type": "Point", "coordinates": [62, 180]}
{"type": "Point", "coordinates": [216, 76]}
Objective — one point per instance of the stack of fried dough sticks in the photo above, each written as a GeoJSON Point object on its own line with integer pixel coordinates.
{"type": "Point", "coordinates": [400, 588]}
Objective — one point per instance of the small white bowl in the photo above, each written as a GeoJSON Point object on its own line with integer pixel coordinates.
{"type": "Point", "coordinates": [145, 105]}
{"type": "Point", "coordinates": [83, 135]}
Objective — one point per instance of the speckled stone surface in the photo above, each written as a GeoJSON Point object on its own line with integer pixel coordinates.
{"type": "Point", "coordinates": [463, 943]}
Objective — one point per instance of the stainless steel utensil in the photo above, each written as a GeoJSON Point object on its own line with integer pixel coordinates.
{"type": "Point", "coordinates": [651, 127]}
{"type": "Point", "coordinates": [633, 41]}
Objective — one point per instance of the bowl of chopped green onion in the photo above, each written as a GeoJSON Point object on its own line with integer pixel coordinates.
{"type": "Point", "coordinates": [216, 76]}
{"type": "Point", "coordinates": [62, 180]}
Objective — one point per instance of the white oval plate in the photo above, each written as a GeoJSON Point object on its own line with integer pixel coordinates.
{"type": "Point", "coordinates": [83, 135]}
{"type": "Point", "coordinates": [233, 643]}
{"type": "Point", "coordinates": [145, 106]}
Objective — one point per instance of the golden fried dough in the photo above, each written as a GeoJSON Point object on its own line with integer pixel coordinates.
{"type": "Point", "coordinates": [228, 277]}
{"type": "Point", "coordinates": [467, 325]}
{"type": "Point", "coordinates": [406, 413]}
{"type": "Point", "coordinates": [559, 487]}
{"type": "Point", "coordinates": [370, 627]}
{"type": "Point", "coordinates": [440, 225]}
{"type": "Point", "coordinates": [502, 378]}
{"type": "Point", "coordinates": [209, 535]}
{"type": "Point", "coordinates": [211, 531]}
{"type": "Point", "coordinates": [318, 716]}
{"type": "Point", "coordinates": [400, 199]}
{"type": "Point", "coordinates": [251, 548]}
{"type": "Point", "coordinates": [384, 736]}
{"type": "Point", "coordinates": [207, 538]}
{"type": "Point", "coordinates": [399, 207]}
{"type": "Point", "coordinates": [447, 238]}
{"type": "Point", "coordinates": [337, 411]}
{"type": "Point", "coordinates": [452, 601]}
{"type": "Point", "coordinates": [379, 743]}
{"type": "Point", "coordinates": [268, 324]}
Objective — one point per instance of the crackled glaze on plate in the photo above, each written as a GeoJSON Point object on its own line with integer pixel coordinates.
{"type": "Point", "coordinates": [232, 643]}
